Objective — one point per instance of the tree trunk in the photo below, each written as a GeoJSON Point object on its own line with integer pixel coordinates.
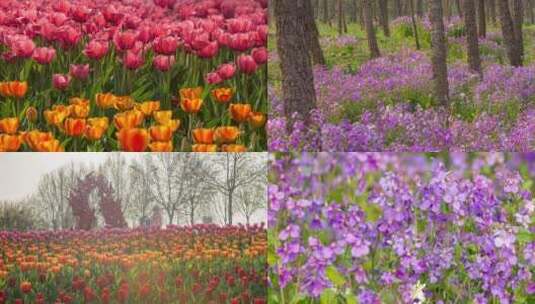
{"type": "Point", "coordinates": [313, 36]}
{"type": "Point", "coordinates": [459, 8]}
{"type": "Point", "coordinates": [518, 20]}
{"type": "Point", "coordinates": [230, 196]}
{"type": "Point", "coordinates": [471, 36]}
{"type": "Point", "coordinates": [297, 79]}
{"type": "Point", "coordinates": [414, 25]}
{"type": "Point", "coordinates": [446, 9]}
{"type": "Point", "coordinates": [398, 8]}
{"type": "Point", "coordinates": [340, 16]}
{"type": "Point", "coordinates": [439, 53]}
{"type": "Point", "coordinates": [531, 12]}
{"type": "Point", "coordinates": [192, 214]}
{"type": "Point", "coordinates": [420, 8]}
{"type": "Point", "coordinates": [492, 11]}
{"type": "Point", "coordinates": [482, 26]}
{"type": "Point", "coordinates": [370, 31]}
{"type": "Point", "coordinates": [325, 11]}
{"type": "Point", "coordinates": [513, 53]}
{"type": "Point", "coordinates": [383, 12]}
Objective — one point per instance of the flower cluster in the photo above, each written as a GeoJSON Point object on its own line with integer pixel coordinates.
{"type": "Point", "coordinates": [194, 264]}
{"type": "Point", "coordinates": [395, 228]}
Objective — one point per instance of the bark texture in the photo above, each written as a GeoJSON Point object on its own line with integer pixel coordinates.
{"type": "Point", "coordinates": [513, 52]}
{"type": "Point", "coordinates": [482, 26]}
{"type": "Point", "coordinates": [474, 60]}
{"type": "Point", "coordinates": [370, 31]}
{"type": "Point", "coordinates": [439, 53]}
{"type": "Point", "coordinates": [297, 79]}
{"type": "Point", "coordinates": [383, 13]}
{"type": "Point", "coordinates": [313, 36]}
{"type": "Point", "coordinates": [518, 20]}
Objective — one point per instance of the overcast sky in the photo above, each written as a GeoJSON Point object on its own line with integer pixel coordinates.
{"type": "Point", "coordinates": [20, 172]}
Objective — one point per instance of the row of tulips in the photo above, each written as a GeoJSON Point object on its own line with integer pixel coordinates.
{"type": "Point", "coordinates": [194, 264]}
{"type": "Point", "coordinates": [60, 56]}
{"type": "Point", "coordinates": [138, 126]}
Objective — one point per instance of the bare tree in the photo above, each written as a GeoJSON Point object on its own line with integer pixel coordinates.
{"type": "Point", "coordinates": [474, 60]}
{"type": "Point", "coordinates": [251, 200]}
{"type": "Point", "coordinates": [370, 30]}
{"type": "Point", "coordinates": [439, 54]}
{"type": "Point", "coordinates": [414, 25]}
{"type": "Point", "coordinates": [511, 45]}
{"type": "Point", "coordinates": [200, 194]}
{"type": "Point", "coordinates": [297, 79]}
{"type": "Point", "coordinates": [140, 185]}
{"type": "Point", "coordinates": [116, 170]}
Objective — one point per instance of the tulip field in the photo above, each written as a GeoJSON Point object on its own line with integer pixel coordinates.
{"type": "Point", "coordinates": [162, 75]}
{"type": "Point", "coordinates": [194, 264]}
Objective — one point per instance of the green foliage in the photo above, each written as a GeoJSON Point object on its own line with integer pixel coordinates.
{"type": "Point", "coordinates": [17, 216]}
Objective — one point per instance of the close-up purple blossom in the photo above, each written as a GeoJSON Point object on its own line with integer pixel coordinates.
{"type": "Point", "coordinates": [401, 228]}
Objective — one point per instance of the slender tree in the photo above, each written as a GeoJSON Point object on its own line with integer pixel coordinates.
{"type": "Point", "coordinates": [471, 36]}
{"type": "Point", "coordinates": [459, 8]}
{"type": "Point", "coordinates": [439, 53]}
{"type": "Point", "coordinates": [414, 25]}
{"type": "Point", "coordinates": [297, 79]}
{"type": "Point", "coordinates": [492, 10]}
{"type": "Point", "coordinates": [511, 46]}
{"type": "Point", "coordinates": [420, 8]}
{"type": "Point", "coordinates": [313, 39]}
{"type": "Point", "coordinates": [482, 21]}
{"type": "Point", "coordinates": [370, 30]}
{"type": "Point", "coordinates": [383, 13]}
{"type": "Point", "coordinates": [325, 10]}
{"type": "Point", "coordinates": [518, 20]}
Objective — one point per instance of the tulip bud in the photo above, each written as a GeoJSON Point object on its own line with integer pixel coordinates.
{"type": "Point", "coordinates": [213, 78]}
{"type": "Point", "coordinates": [247, 64]}
{"type": "Point", "coordinates": [79, 71]}
{"type": "Point", "coordinates": [260, 55]}
{"type": "Point", "coordinates": [226, 71]}
{"type": "Point", "coordinates": [163, 63]}
{"type": "Point", "coordinates": [61, 81]}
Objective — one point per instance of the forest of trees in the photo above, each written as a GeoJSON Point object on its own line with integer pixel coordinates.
{"type": "Point", "coordinates": [189, 188]}
{"type": "Point", "coordinates": [299, 49]}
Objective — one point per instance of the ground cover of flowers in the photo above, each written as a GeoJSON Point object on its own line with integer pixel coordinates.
{"type": "Point", "coordinates": [402, 228]}
{"type": "Point", "coordinates": [162, 75]}
{"type": "Point", "coordinates": [386, 104]}
{"type": "Point", "coordinates": [195, 264]}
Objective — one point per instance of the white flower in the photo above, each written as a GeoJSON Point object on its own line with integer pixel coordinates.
{"type": "Point", "coordinates": [417, 293]}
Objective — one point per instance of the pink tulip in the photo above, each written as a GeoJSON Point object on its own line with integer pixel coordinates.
{"type": "Point", "coordinates": [200, 41]}
{"type": "Point", "coordinates": [79, 71]}
{"type": "Point", "coordinates": [80, 13]}
{"type": "Point", "coordinates": [240, 42]}
{"type": "Point", "coordinates": [165, 3]}
{"type": "Point", "coordinates": [239, 25]}
{"type": "Point", "coordinates": [210, 50]}
{"type": "Point", "coordinates": [44, 55]}
{"type": "Point", "coordinates": [260, 55]}
{"type": "Point", "coordinates": [165, 45]}
{"type": "Point", "coordinates": [61, 81]}
{"type": "Point", "coordinates": [213, 78]}
{"type": "Point", "coordinates": [132, 60]}
{"type": "Point", "coordinates": [58, 19]}
{"type": "Point", "coordinates": [124, 40]}
{"type": "Point", "coordinates": [112, 15]}
{"type": "Point", "coordinates": [163, 63]}
{"type": "Point", "coordinates": [226, 70]}
{"type": "Point", "coordinates": [69, 35]}
{"type": "Point", "coordinates": [62, 6]}
{"type": "Point", "coordinates": [247, 64]}
{"type": "Point", "coordinates": [23, 47]}
{"type": "Point", "coordinates": [96, 49]}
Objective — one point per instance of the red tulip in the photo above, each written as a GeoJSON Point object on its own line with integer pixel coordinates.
{"type": "Point", "coordinates": [239, 25]}
{"type": "Point", "coordinates": [61, 81]}
{"type": "Point", "coordinates": [210, 50]}
{"type": "Point", "coordinates": [68, 35]}
{"type": "Point", "coordinates": [213, 78]}
{"type": "Point", "coordinates": [96, 49]}
{"type": "Point", "coordinates": [23, 47]}
{"type": "Point", "coordinates": [163, 63]}
{"type": "Point", "coordinates": [240, 42]}
{"type": "Point", "coordinates": [132, 60]}
{"type": "Point", "coordinates": [80, 13]}
{"type": "Point", "coordinates": [58, 19]}
{"type": "Point", "coordinates": [79, 71]}
{"type": "Point", "coordinates": [260, 55]}
{"type": "Point", "coordinates": [44, 55]}
{"type": "Point", "coordinates": [165, 45]}
{"type": "Point", "coordinates": [226, 70]}
{"type": "Point", "coordinates": [247, 64]}
{"type": "Point", "coordinates": [124, 40]}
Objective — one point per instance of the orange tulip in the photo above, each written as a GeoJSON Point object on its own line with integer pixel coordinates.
{"type": "Point", "coordinates": [25, 287]}
{"type": "Point", "coordinates": [14, 89]}
{"type": "Point", "coordinates": [161, 133]}
{"type": "Point", "coordinates": [57, 115]}
{"type": "Point", "coordinates": [52, 145]}
{"type": "Point", "coordinates": [204, 148]}
{"type": "Point", "coordinates": [79, 107]}
{"type": "Point", "coordinates": [203, 136]}
{"type": "Point", "coordinates": [129, 119]}
{"type": "Point", "coordinates": [234, 148]}
{"type": "Point", "coordinates": [162, 117]}
{"type": "Point", "coordinates": [123, 103]}
{"type": "Point", "coordinates": [148, 107]}
{"type": "Point", "coordinates": [257, 119]}
{"type": "Point", "coordinates": [161, 146]}
{"type": "Point", "coordinates": [222, 95]}
{"type": "Point", "coordinates": [174, 124]}
{"type": "Point", "coordinates": [190, 93]}
{"type": "Point", "coordinates": [9, 143]}
{"type": "Point", "coordinates": [133, 139]}
{"type": "Point", "coordinates": [9, 125]}
{"type": "Point", "coordinates": [31, 114]}
{"type": "Point", "coordinates": [94, 132]}
{"type": "Point", "coordinates": [101, 122]}
{"type": "Point", "coordinates": [240, 111]}
{"type": "Point", "coordinates": [74, 126]}
{"type": "Point", "coordinates": [226, 135]}
{"type": "Point", "coordinates": [34, 138]}
{"type": "Point", "coordinates": [105, 100]}
{"type": "Point", "coordinates": [191, 105]}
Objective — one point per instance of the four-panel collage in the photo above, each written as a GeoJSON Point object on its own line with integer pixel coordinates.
{"type": "Point", "coordinates": [267, 151]}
